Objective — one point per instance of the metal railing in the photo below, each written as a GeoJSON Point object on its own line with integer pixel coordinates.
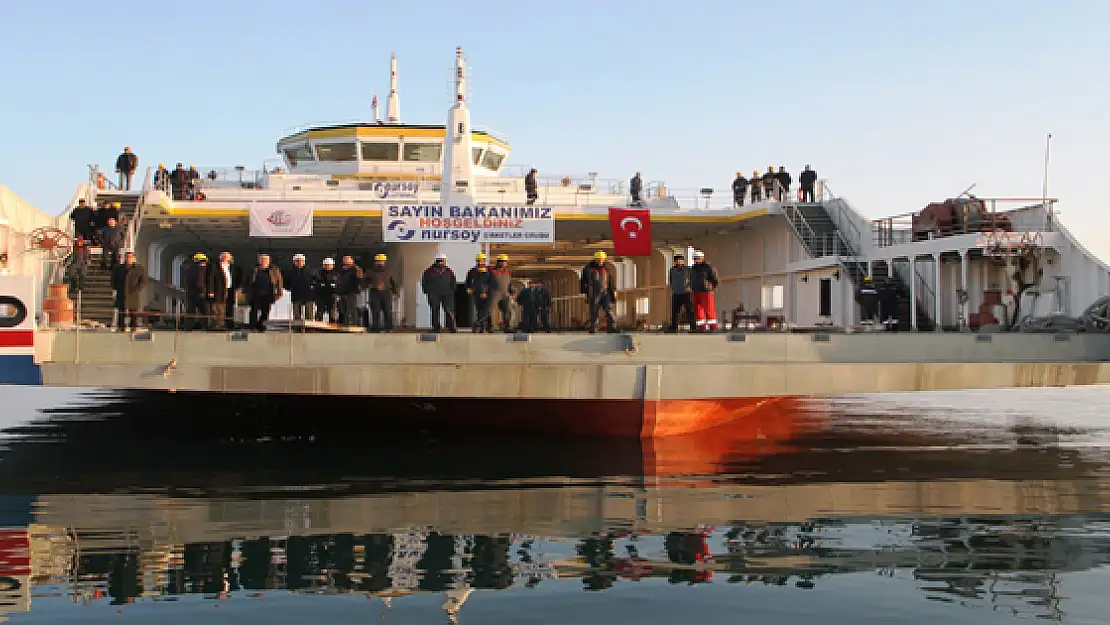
{"type": "Point", "coordinates": [921, 291]}
{"type": "Point", "coordinates": [1029, 215]}
{"type": "Point", "coordinates": [136, 224]}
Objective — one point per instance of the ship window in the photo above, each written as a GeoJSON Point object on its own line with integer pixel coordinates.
{"type": "Point", "coordinates": [772, 297]}
{"type": "Point", "coordinates": [477, 152]}
{"type": "Point", "coordinates": [298, 154]}
{"type": "Point", "coordinates": [382, 152]}
{"type": "Point", "coordinates": [423, 152]}
{"type": "Point", "coordinates": [492, 160]}
{"type": "Point", "coordinates": [342, 152]}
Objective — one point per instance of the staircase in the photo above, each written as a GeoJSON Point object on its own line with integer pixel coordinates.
{"type": "Point", "coordinates": [96, 299]}
{"type": "Point", "coordinates": [128, 203]}
{"type": "Point", "coordinates": [821, 237]}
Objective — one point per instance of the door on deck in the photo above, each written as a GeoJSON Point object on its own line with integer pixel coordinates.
{"type": "Point", "coordinates": [464, 308]}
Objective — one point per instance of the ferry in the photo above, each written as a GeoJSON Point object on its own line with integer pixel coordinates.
{"type": "Point", "coordinates": [1000, 285]}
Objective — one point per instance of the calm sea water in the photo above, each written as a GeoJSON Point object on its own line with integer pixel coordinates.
{"type": "Point", "coordinates": [971, 507]}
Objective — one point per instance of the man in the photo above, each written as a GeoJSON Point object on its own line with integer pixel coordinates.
{"type": "Point", "coordinates": [479, 265]}
{"type": "Point", "coordinates": [807, 180]}
{"type": "Point", "coordinates": [480, 285]}
{"type": "Point", "coordinates": [198, 289]}
{"type": "Point", "coordinates": [348, 284]}
{"type": "Point", "coordinates": [769, 188]}
{"type": "Point", "coordinates": [382, 290]}
{"type": "Point", "coordinates": [162, 178]}
{"type": "Point", "coordinates": [133, 282]}
{"type": "Point", "coordinates": [221, 291]}
{"type": "Point", "coordinates": [82, 217]}
{"type": "Point", "coordinates": [96, 222]}
{"type": "Point", "coordinates": [784, 180]}
{"type": "Point", "coordinates": [111, 211]}
{"type": "Point", "coordinates": [193, 182]}
{"type": "Point", "coordinates": [503, 291]}
{"type": "Point", "coordinates": [79, 265]}
{"type": "Point", "coordinates": [111, 238]}
{"type": "Point", "coordinates": [868, 298]}
{"type": "Point", "coordinates": [756, 184]}
{"type": "Point", "coordinates": [703, 281]}
{"type": "Point", "coordinates": [530, 187]}
{"type": "Point", "coordinates": [525, 297]}
{"type": "Point", "coordinates": [598, 284]}
{"type": "Point", "coordinates": [126, 165]}
{"type": "Point", "coordinates": [739, 189]}
{"type": "Point", "coordinates": [541, 297]}
{"type": "Point", "coordinates": [179, 182]}
{"type": "Point", "coordinates": [681, 300]}
{"type": "Point", "coordinates": [263, 287]}
{"type": "Point", "coordinates": [325, 292]}
{"type": "Point", "coordinates": [439, 284]}
{"type": "Point", "coordinates": [635, 187]}
{"type": "Point", "coordinates": [299, 280]}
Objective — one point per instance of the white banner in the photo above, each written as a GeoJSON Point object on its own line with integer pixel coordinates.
{"type": "Point", "coordinates": [277, 220]}
{"type": "Point", "coordinates": [430, 223]}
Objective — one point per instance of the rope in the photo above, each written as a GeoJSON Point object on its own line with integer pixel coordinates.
{"type": "Point", "coordinates": [1095, 319]}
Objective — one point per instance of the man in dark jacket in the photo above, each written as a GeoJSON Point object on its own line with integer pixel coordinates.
{"type": "Point", "coordinates": [703, 282]}
{"type": "Point", "coordinates": [681, 300]}
{"type": "Point", "coordinates": [599, 284]}
{"type": "Point", "coordinates": [79, 265]}
{"type": "Point", "coordinates": [324, 288]}
{"type": "Point", "coordinates": [263, 287]}
{"type": "Point", "coordinates": [480, 284]}
{"type": "Point", "coordinates": [807, 179]}
{"type": "Point", "coordinates": [471, 275]}
{"type": "Point", "coordinates": [868, 297]}
{"type": "Point", "coordinates": [179, 182]}
{"type": "Point", "coordinates": [784, 180]}
{"type": "Point", "coordinates": [299, 280]}
{"type": "Point", "coordinates": [503, 291]}
{"type": "Point", "coordinates": [542, 299]}
{"type": "Point", "coordinates": [530, 187]}
{"type": "Point", "coordinates": [197, 292]}
{"type": "Point", "coordinates": [770, 192]}
{"type": "Point", "coordinates": [224, 279]}
{"type": "Point", "coordinates": [348, 284]}
{"type": "Point", "coordinates": [739, 189]}
{"type": "Point", "coordinates": [635, 188]}
{"type": "Point", "coordinates": [756, 184]}
{"type": "Point", "coordinates": [162, 178]}
{"type": "Point", "coordinates": [438, 283]}
{"type": "Point", "coordinates": [82, 217]}
{"type": "Point", "coordinates": [382, 290]}
{"type": "Point", "coordinates": [111, 238]}
{"type": "Point", "coordinates": [133, 282]}
{"type": "Point", "coordinates": [126, 165]}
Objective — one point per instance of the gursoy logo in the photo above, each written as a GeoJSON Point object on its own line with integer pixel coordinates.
{"type": "Point", "coordinates": [396, 189]}
{"type": "Point", "coordinates": [280, 219]}
{"type": "Point", "coordinates": [402, 233]}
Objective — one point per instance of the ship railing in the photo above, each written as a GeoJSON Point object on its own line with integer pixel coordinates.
{"type": "Point", "coordinates": [140, 208]}
{"type": "Point", "coordinates": [94, 178]}
{"type": "Point", "coordinates": [1008, 214]}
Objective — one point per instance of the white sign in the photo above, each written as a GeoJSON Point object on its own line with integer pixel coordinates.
{"type": "Point", "coordinates": [280, 219]}
{"type": "Point", "coordinates": [431, 223]}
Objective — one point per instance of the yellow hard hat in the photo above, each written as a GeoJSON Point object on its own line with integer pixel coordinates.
{"type": "Point", "coordinates": [200, 256]}
{"type": "Point", "coordinates": [480, 256]}
{"type": "Point", "coordinates": [115, 204]}
{"type": "Point", "coordinates": [503, 257]}
{"type": "Point", "coordinates": [739, 173]}
{"type": "Point", "coordinates": [379, 257]}
{"type": "Point", "coordinates": [755, 172]}
{"type": "Point", "coordinates": [600, 255]}
{"type": "Point", "coordinates": [161, 165]}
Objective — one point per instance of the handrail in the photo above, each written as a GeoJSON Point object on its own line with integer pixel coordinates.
{"type": "Point", "coordinates": [140, 205]}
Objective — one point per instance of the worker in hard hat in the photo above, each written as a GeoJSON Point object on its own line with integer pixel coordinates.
{"type": "Point", "coordinates": [126, 165]}
{"type": "Point", "coordinates": [382, 287]}
{"type": "Point", "coordinates": [503, 291]}
{"type": "Point", "coordinates": [703, 282]}
{"type": "Point", "coordinates": [348, 286]}
{"type": "Point", "coordinates": [739, 189]}
{"type": "Point", "coordinates": [193, 183]}
{"type": "Point", "coordinates": [599, 284]}
{"type": "Point", "coordinates": [868, 297]}
{"type": "Point", "coordinates": [682, 302]}
{"type": "Point", "coordinates": [161, 177]}
{"type": "Point", "coordinates": [301, 282]}
{"type": "Point", "coordinates": [197, 291]}
{"type": "Point", "coordinates": [438, 283]}
{"type": "Point", "coordinates": [770, 184]}
{"type": "Point", "coordinates": [756, 184]}
{"type": "Point", "coordinates": [324, 289]}
{"type": "Point", "coordinates": [179, 181]}
{"type": "Point", "coordinates": [479, 267]}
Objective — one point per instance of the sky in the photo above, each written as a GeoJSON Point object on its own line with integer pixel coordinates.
{"type": "Point", "coordinates": [895, 103]}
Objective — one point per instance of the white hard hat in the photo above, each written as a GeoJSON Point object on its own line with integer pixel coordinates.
{"type": "Point", "coordinates": [441, 256]}
{"type": "Point", "coordinates": [699, 254]}
{"type": "Point", "coordinates": [329, 261]}
{"type": "Point", "coordinates": [298, 256]}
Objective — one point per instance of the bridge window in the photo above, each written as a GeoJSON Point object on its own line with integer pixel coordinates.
{"type": "Point", "coordinates": [772, 297]}
{"type": "Point", "coordinates": [336, 152]}
{"type": "Point", "coordinates": [492, 160]}
{"type": "Point", "coordinates": [423, 152]}
{"type": "Point", "coordinates": [477, 153]}
{"type": "Point", "coordinates": [299, 154]}
{"type": "Point", "coordinates": [380, 152]}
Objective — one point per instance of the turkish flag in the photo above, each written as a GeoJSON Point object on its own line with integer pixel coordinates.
{"type": "Point", "coordinates": [631, 231]}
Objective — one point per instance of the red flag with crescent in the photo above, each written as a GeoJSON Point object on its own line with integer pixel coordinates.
{"type": "Point", "coordinates": [631, 231]}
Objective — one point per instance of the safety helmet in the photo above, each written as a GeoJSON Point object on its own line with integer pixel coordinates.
{"type": "Point", "coordinates": [600, 255]}
{"type": "Point", "coordinates": [480, 256]}
{"type": "Point", "coordinates": [115, 204]}
{"type": "Point", "coordinates": [699, 254]}
{"type": "Point", "coordinates": [504, 257]}
{"type": "Point", "coordinates": [329, 261]}
{"type": "Point", "coordinates": [770, 168]}
{"type": "Point", "coordinates": [739, 173]}
{"type": "Point", "coordinates": [200, 256]}
{"type": "Point", "coordinates": [380, 257]}
{"type": "Point", "coordinates": [755, 172]}
{"type": "Point", "coordinates": [161, 165]}
{"type": "Point", "coordinates": [298, 256]}
{"type": "Point", "coordinates": [441, 256]}
{"type": "Point", "coordinates": [867, 279]}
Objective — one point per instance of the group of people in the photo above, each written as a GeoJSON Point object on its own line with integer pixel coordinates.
{"type": "Point", "coordinates": [692, 289]}
{"type": "Point", "coordinates": [492, 291]}
{"type": "Point", "coordinates": [182, 183]}
{"type": "Point", "coordinates": [773, 186]}
{"type": "Point", "coordinates": [532, 191]}
{"type": "Point", "coordinates": [98, 225]}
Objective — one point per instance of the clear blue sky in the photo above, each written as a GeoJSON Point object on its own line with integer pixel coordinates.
{"type": "Point", "coordinates": [896, 103]}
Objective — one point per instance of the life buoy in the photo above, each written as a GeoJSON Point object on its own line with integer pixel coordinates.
{"type": "Point", "coordinates": [9, 584]}
{"type": "Point", "coordinates": [12, 321]}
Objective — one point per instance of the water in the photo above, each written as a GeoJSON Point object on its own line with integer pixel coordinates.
{"type": "Point", "coordinates": [972, 507]}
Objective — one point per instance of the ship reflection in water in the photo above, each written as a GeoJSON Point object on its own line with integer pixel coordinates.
{"type": "Point", "coordinates": [956, 508]}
